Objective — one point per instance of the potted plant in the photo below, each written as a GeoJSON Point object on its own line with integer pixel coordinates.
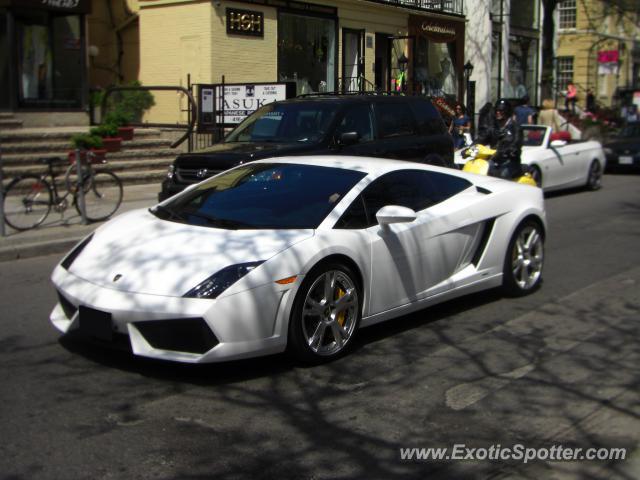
{"type": "Point", "coordinates": [84, 142]}
{"type": "Point", "coordinates": [121, 121]}
{"type": "Point", "coordinates": [109, 134]}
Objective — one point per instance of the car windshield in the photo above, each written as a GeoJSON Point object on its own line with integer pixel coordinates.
{"type": "Point", "coordinates": [631, 130]}
{"type": "Point", "coordinates": [532, 136]}
{"type": "Point", "coordinates": [262, 196]}
{"type": "Point", "coordinates": [297, 122]}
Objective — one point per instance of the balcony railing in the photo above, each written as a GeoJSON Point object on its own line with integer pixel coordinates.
{"type": "Point", "coordinates": [441, 6]}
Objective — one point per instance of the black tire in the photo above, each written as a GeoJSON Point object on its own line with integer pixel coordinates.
{"type": "Point", "coordinates": [321, 331]}
{"type": "Point", "coordinates": [27, 202]}
{"type": "Point", "coordinates": [102, 195]}
{"type": "Point", "coordinates": [524, 259]}
{"type": "Point", "coordinates": [594, 179]}
{"type": "Point", "coordinates": [536, 174]}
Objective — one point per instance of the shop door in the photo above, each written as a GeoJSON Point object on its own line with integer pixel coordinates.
{"type": "Point", "coordinates": [352, 60]}
{"type": "Point", "coordinates": [400, 68]}
{"type": "Point", "coordinates": [382, 61]}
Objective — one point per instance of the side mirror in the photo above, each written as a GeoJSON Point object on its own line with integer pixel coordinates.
{"type": "Point", "coordinates": [558, 143]}
{"type": "Point", "coordinates": [348, 138]}
{"type": "Point", "coordinates": [395, 214]}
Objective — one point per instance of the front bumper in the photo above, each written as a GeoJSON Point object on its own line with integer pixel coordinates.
{"type": "Point", "coordinates": [247, 324]}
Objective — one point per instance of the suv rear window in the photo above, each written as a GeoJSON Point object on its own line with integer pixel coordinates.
{"type": "Point", "coordinates": [394, 119]}
{"type": "Point", "coordinates": [428, 118]}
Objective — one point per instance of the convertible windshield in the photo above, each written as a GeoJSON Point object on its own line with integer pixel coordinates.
{"type": "Point", "coordinates": [306, 122]}
{"type": "Point", "coordinates": [262, 196]}
{"type": "Point", "coordinates": [532, 136]}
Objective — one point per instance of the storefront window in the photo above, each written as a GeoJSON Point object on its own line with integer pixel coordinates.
{"type": "Point", "coordinates": [49, 60]}
{"type": "Point", "coordinates": [523, 52]}
{"type": "Point", "coordinates": [307, 52]}
{"type": "Point", "coordinates": [5, 99]}
{"type": "Point", "coordinates": [435, 73]}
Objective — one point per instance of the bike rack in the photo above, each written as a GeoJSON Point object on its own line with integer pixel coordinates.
{"type": "Point", "coordinates": [80, 187]}
{"type": "Point", "coordinates": [2, 230]}
{"type": "Point", "coordinates": [192, 120]}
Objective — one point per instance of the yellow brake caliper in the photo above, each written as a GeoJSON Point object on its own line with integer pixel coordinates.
{"type": "Point", "coordinates": [341, 316]}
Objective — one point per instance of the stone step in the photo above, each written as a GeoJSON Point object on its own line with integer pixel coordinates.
{"type": "Point", "coordinates": [4, 115]}
{"type": "Point", "coordinates": [24, 159]}
{"type": "Point", "coordinates": [129, 166]}
{"type": "Point", "coordinates": [63, 146]}
{"type": "Point", "coordinates": [62, 134]}
{"type": "Point", "coordinates": [10, 124]}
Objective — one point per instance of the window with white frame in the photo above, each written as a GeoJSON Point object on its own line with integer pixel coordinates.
{"type": "Point", "coordinates": [567, 11]}
{"type": "Point", "coordinates": [565, 72]}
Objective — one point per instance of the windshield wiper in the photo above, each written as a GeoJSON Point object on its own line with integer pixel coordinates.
{"type": "Point", "coordinates": [168, 211]}
{"type": "Point", "coordinates": [221, 222]}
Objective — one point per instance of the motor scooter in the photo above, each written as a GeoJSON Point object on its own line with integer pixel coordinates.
{"type": "Point", "coordinates": [479, 161]}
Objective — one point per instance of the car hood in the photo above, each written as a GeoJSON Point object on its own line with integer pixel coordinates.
{"type": "Point", "coordinates": [622, 144]}
{"type": "Point", "coordinates": [139, 253]}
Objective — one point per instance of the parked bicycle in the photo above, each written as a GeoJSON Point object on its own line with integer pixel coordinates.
{"type": "Point", "coordinates": [28, 199]}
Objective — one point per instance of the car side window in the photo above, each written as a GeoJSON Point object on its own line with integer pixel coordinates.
{"type": "Point", "coordinates": [429, 121]}
{"type": "Point", "coordinates": [357, 118]}
{"type": "Point", "coordinates": [415, 189]}
{"type": "Point", "coordinates": [394, 119]}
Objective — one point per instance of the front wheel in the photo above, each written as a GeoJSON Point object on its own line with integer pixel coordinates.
{"type": "Point", "coordinates": [102, 195]}
{"type": "Point", "coordinates": [594, 180]}
{"type": "Point", "coordinates": [325, 315]}
{"type": "Point", "coordinates": [27, 202]}
{"type": "Point", "coordinates": [522, 270]}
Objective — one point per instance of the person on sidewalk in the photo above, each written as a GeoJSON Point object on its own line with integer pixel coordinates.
{"type": "Point", "coordinates": [572, 98]}
{"type": "Point", "coordinates": [524, 112]}
{"type": "Point", "coordinates": [460, 125]}
{"type": "Point", "coordinates": [591, 101]}
{"type": "Point", "coordinates": [549, 116]}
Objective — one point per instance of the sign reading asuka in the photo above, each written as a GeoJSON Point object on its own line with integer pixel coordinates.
{"type": "Point", "coordinates": [230, 104]}
{"type": "Point", "coordinates": [245, 22]}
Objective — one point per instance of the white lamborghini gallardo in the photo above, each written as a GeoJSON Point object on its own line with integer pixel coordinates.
{"type": "Point", "coordinates": [297, 253]}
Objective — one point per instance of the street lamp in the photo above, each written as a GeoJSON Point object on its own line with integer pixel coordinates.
{"type": "Point", "coordinates": [471, 94]}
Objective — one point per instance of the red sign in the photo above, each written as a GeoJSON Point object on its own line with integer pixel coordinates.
{"type": "Point", "coordinates": [608, 56]}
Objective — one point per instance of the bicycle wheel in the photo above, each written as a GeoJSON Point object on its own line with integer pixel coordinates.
{"type": "Point", "coordinates": [27, 202]}
{"type": "Point", "coordinates": [102, 195]}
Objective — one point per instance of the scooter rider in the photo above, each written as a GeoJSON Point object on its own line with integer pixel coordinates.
{"type": "Point", "coordinates": [505, 136]}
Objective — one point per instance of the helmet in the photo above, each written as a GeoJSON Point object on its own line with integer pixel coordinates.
{"type": "Point", "coordinates": [505, 107]}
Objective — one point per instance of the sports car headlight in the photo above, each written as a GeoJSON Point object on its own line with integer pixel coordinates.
{"type": "Point", "coordinates": [171, 171]}
{"type": "Point", "coordinates": [220, 281]}
{"type": "Point", "coordinates": [607, 151]}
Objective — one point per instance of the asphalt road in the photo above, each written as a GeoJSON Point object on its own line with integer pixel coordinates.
{"type": "Point", "coordinates": [559, 367]}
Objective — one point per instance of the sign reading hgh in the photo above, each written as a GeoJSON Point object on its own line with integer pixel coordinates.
{"type": "Point", "coordinates": [245, 22]}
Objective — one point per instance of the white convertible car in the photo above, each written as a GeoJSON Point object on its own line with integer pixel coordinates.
{"type": "Point", "coordinates": [557, 162]}
{"type": "Point", "coordinates": [296, 253]}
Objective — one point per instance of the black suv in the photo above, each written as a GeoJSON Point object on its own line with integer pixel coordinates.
{"type": "Point", "coordinates": [386, 126]}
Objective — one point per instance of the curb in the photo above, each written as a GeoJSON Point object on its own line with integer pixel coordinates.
{"type": "Point", "coordinates": [38, 249]}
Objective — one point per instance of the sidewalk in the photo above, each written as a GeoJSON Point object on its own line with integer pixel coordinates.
{"type": "Point", "coordinates": [58, 234]}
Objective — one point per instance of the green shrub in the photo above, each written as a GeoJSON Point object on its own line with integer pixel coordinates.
{"type": "Point", "coordinates": [124, 107]}
{"type": "Point", "coordinates": [105, 130]}
{"type": "Point", "coordinates": [86, 141]}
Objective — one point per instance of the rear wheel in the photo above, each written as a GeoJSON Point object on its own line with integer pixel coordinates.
{"type": "Point", "coordinates": [594, 180]}
{"type": "Point", "coordinates": [522, 270]}
{"type": "Point", "coordinates": [102, 195]}
{"type": "Point", "coordinates": [325, 315]}
{"type": "Point", "coordinates": [27, 202]}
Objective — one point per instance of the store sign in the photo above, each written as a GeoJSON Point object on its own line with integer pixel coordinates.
{"type": "Point", "coordinates": [245, 22]}
{"type": "Point", "coordinates": [71, 6]}
{"type": "Point", "coordinates": [438, 31]}
{"type": "Point", "coordinates": [608, 56]}
{"type": "Point", "coordinates": [230, 104]}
